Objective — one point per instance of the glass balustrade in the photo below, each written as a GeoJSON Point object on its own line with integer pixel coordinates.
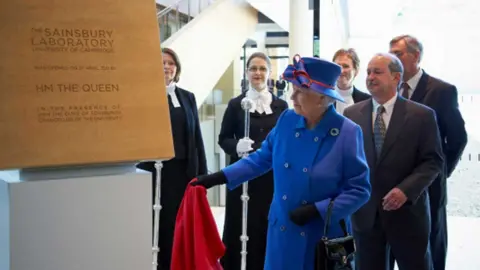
{"type": "Point", "coordinates": [172, 18]}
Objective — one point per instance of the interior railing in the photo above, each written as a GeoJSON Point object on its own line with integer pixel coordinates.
{"type": "Point", "coordinates": [174, 17]}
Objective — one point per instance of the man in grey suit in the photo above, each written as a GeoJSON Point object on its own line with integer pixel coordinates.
{"type": "Point", "coordinates": [404, 153]}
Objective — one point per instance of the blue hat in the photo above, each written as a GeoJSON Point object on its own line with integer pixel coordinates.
{"type": "Point", "coordinates": [314, 73]}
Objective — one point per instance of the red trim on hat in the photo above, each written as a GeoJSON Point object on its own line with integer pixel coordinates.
{"type": "Point", "coordinates": [304, 74]}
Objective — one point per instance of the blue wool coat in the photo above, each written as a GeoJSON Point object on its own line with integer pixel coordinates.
{"type": "Point", "coordinates": [310, 166]}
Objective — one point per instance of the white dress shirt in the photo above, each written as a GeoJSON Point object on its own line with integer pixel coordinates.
{"type": "Point", "coordinates": [412, 83]}
{"type": "Point", "coordinates": [347, 96]}
{"type": "Point", "coordinates": [261, 100]}
{"type": "Point", "coordinates": [171, 92]}
{"type": "Point", "coordinates": [387, 115]}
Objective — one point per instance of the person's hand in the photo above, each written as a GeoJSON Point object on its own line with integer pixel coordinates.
{"type": "Point", "coordinates": [394, 200]}
{"type": "Point", "coordinates": [210, 180]}
{"type": "Point", "coordinates": [304, 214]}
{"type": "Point", "coordinates": [244, 146]}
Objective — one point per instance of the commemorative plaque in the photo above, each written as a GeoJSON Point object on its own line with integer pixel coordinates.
{"type": "Point", "coordinates": [81, 82]}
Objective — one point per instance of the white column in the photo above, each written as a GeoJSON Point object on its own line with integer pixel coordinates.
{"type": "Point", "coordinates": [260, 37]}
{"type": "Point", "coordinates": [332, 36]}
{"type": "Point", "coordinates": [300, 36]}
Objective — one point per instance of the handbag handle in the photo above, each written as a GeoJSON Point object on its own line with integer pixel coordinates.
{"type": "Point", "coordinates": [343, 225]}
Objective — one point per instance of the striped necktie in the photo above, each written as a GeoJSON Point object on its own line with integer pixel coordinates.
{"type": "Point", "coordinates": [405, 90]}
{"type": "Point", "coordinates": [379, 130]}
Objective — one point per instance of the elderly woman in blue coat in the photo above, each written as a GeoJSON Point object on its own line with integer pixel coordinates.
{"type": "Point", "coordinates": [317, 155]}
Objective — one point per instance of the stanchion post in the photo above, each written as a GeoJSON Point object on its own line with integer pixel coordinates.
{"type": "Point", "coordinates": [156, 212]}
{"type": "Point", "coordinates": [246, 106]}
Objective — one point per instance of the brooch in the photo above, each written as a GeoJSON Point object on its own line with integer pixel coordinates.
{"type": "Point", "coordinates": [334, 132]}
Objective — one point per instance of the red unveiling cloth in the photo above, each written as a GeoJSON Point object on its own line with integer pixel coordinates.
{"type": "Point", "coordinates": [197, 244]}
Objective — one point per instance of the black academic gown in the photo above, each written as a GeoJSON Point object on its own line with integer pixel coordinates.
{"type": "Point", "coordinates": [260, 189]}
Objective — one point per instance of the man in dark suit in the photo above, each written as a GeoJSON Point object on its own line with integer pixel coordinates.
{"type": "Point", "coordinates": [350, 63]}
{"type": "Point", "coordinates": [442, 97]}
{"type": "Point", "coordinates": [403, 150]}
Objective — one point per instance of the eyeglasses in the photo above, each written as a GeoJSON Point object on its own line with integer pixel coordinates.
{"type": "Point", "coordinates": [255, 69]}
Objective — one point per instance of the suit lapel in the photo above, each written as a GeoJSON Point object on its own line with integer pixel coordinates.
{"type": "Point", "coordinates": [395, 126]}
{"type": "Point", "coordinates": [421, 88]}
{"type": "Point", "coordinates": [366, 123]}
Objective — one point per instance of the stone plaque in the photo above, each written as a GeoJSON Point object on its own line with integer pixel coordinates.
{"type": "Point", "coordinates": [81, 82]}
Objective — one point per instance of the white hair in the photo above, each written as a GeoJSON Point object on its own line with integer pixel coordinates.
{"type": "Point", "coordinates": [330, 100]}
{"type": "Point", "coordinates": [327, 101]}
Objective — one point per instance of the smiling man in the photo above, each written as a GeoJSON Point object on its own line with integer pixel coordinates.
{"type": "Point", "coordinates": [350, 62]}
{"type": "Point", "coordinates": [404, 153]}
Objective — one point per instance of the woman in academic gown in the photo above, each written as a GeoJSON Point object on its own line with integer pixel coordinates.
{"type": "Point", "coordinates": [317, 158]}
{"type": "Point", "coordinates": [263, 117]}
{"type": "Point", "coordinates": [189, 159]}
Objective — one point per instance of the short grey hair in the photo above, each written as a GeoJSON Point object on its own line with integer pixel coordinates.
{"type": "Point", "coordinates": [413, 44]}
{"type": "Point", "coordinates": [395, 65]}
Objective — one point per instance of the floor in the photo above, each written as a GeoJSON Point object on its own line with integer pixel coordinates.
{"type": "Point", "coordinates": [464, 235]}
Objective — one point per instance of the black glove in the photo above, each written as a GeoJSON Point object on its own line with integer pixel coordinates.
{"type": "Point", "coordinates": [210, 180]}
{"type": "Point", "coordinates": [304, 214]}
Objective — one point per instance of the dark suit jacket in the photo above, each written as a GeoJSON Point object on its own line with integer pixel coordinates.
{"type": "Point", "coordinates": [358, 95]}
{"type": "Point", "coordinates": [410, 160]}
{"type": "Point", "coordinates": [197, 163]}
{"type": "Point", "coordinates": [443, 98]}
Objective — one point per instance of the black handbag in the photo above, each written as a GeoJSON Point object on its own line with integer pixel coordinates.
{"type": "Point", "coordinates": [337, 253]}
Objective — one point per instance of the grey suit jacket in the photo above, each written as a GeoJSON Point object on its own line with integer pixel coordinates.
{"type": "Point", "coordinates": [411, 159]}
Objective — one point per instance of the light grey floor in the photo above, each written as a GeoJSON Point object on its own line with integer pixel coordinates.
{"type": "Point", "coordinates": [463, 240]}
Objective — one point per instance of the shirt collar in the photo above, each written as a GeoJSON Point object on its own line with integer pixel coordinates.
{"type": "Point", "coordinates": [171, 87]}
{"type": "Point", "coordinates": [387, 105]}
{"type": "Point", "coordinates": [413, 82]}
{"type": "Point", "coordinates": [255, 95]}
{"type": "Point", "coordinates": [261, 100]}
{"type": "Point", "coordinates": [345, 93]}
